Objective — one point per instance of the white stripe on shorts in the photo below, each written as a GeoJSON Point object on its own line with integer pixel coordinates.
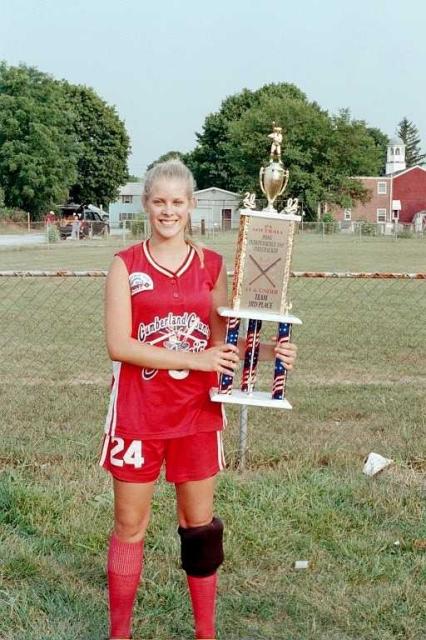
{"type": "Point", "coordinates": [220, 453]}
{"type": "Point", "coordinates": [111, 418]}
{"type": "Point", "coordinates": [104, 450]}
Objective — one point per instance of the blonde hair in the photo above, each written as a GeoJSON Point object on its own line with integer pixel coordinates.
{"type": "Point", "coordinates": [173, 169]}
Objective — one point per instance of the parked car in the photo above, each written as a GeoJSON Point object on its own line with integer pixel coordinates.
{"type": "Point", "coordinates": [91, 224]}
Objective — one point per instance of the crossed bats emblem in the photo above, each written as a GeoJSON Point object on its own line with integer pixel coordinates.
{"type": "Point", "coordinates": [263, 271]}
{"type": "Point", "coordinates": [177, 339]}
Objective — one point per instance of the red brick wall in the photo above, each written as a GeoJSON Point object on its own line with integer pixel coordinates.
{"type": "Point", "coordinates": [369, 210]}
{"type": "Point", "coordinates": [410, 188]}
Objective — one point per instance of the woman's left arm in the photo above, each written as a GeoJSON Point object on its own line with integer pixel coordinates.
{"type": "Point", "coordinates": [287, 351]}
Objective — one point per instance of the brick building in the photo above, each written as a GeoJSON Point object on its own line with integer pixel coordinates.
{"type": "Point", "coordinates": [399, 196]}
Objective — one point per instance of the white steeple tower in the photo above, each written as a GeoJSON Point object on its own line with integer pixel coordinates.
{"type": "Point", "coordinates": [395, 160]}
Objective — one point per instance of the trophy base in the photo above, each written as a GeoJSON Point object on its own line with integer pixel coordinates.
{"type": "Point", "coordinates": [255, 399]}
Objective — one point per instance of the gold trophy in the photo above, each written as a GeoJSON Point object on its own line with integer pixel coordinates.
{"type": "Point", "coordinates": [259, 289]}
{"type": "Point", "coordinates": [274, 178]}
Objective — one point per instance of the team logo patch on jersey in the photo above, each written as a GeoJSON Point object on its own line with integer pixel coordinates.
{"type": "Point", "coordinates": [184, 332]}
{"type": "Point", "coordinates": [140, 282]}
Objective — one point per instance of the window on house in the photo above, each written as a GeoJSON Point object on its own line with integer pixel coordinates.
{"type": "Point", "coordinates": [127, 199]}
{"type": "Point", "coordinates": [347, 214]}
{"type": "Point", "coordinates": [127, 216]}
{"type": "Point", "coordinates": [381, 215]}
{"type": "Point", "coordinates": [395, 214]}
{"type": "Point", "coordinates": [382, 188]}
{"type": "Point", "coordinates": [397, 151]}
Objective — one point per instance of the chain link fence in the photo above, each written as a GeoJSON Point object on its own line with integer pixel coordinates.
{"type": "Point", "coordinates": [137, 229]}
{"type": "Point", "coordinates": [52, 325]}
{"type": "Point", "coordinates": [358, 329]}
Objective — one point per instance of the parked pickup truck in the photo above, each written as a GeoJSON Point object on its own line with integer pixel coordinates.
{"type": "Point", "coordinates": [91, 224]}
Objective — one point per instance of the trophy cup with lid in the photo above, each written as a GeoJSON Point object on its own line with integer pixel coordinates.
{"type": "Point", "coordinates": [259, 290]}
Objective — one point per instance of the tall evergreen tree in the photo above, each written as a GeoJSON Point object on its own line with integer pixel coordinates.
{"type": "Point", "coordinates": [410, 136]}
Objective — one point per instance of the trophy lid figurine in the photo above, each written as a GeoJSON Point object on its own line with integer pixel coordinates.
{"type": "Point", "coordinates": [259, 288]}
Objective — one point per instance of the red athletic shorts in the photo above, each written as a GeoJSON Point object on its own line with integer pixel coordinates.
{"type": "Point", "coordinates": [193, 457]}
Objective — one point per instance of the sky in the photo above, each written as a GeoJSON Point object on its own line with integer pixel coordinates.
{"type": "Point", "coordinates": [167, 65]}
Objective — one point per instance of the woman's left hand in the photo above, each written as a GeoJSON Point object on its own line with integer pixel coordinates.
{"type": "Point", "coordinates": [287, 352]}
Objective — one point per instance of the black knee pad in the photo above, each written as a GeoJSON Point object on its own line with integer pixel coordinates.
{"type": "Point", "coordinates": [202, 548]}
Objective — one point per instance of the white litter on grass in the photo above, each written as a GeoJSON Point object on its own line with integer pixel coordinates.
{"type": "Point", "coordinates": [301, 564]}
{"type": "Point", "coordinates": [374, 463]}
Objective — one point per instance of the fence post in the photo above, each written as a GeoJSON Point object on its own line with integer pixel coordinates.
{"type": "Point", "coordinates": [243, 437]}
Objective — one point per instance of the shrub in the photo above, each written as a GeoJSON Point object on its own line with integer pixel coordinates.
{"type": "Point", "coordinates": [330, 224]}
{"type": "Point", "coordinates": [368, 228]}
{"type": "Point", "coordinates": [14, 216]}
{"type": "Point", "coordinates": [138, 226]}
{"type": "Point", "coordinates": [405, 234]}
{"type": "Point", "coordinates": [52, 233]}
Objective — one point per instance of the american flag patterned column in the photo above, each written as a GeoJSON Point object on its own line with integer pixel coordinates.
{"type": "Point", "coordinates": [280, 372]}
{"type": "Point", "coordinates": [232, 329]}
{"type": "Point", "coordinates": [251, 355]}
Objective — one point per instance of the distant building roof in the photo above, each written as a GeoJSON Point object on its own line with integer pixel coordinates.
{"type": "Point", "coordinates": [397, 141]}
{"type": "Point", "coordinates": [131, 189]}
{"type": "Point", "coordinates": [214, 189]}
{"type": "Point", "coordinates": [401, 171]}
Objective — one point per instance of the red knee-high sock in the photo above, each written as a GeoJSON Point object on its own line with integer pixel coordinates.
{"type": "Point", "coordinates": [125, 561]}
{"type": "Point", "coordinates": [203, 600]}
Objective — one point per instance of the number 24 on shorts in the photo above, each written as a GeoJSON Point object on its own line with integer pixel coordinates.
{"type": "Point", "coordinates": [131, 456]}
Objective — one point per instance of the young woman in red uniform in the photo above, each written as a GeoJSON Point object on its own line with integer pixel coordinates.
{"type": "Point", "coordinates": [166, 342]}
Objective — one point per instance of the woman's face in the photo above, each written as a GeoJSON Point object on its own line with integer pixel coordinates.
{"type": "Point", "coordinates": [168, 207]}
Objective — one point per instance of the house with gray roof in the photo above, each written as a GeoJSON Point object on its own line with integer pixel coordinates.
{"type": "Point", "coordinates": [128, 205]}
{"type": "Point", "coordinates": [216, 208]}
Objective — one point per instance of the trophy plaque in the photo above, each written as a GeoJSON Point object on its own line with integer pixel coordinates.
{"type": "Point", "coordinates": [259, 289]}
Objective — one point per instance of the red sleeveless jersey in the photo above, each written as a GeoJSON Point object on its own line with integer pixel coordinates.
{"type": "Point", "coordinates": [169, 310]}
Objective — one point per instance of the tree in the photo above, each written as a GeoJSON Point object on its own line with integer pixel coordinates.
{"type": "Point", "coordinates": [37, 149]}
{"type": "Point", "coordinates": [103, 146]}
{"type": "Point", "coordinates": [410, 136]}
{"type": "Point", "coordinates": [170, 155]}
{"type": "Point", "coordinates": [322, 152]}
{"type": "Point", "coordinates": [209, 160]}
{"type": "Point", "coordinates": [381, 140]}
{"type": "Point", "coordinates": [56, 140]}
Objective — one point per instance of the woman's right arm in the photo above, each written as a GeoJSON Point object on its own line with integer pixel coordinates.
{"type": "Point", "coordinates": [123, 348]}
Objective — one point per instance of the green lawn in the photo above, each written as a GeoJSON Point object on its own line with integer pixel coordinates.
{"type": "Point", "coordinates": [359, 387]}
{"type": "Point", "coordinates": [311, 253]}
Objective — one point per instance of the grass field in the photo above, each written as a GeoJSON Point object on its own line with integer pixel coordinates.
{"type": "Point", "coordinates": [311, 253]}
{"type": "Point", "coordinates": [359, 387]}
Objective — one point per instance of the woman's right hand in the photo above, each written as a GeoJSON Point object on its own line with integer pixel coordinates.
{"type": "Point", "coordinates": [223, 358]}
